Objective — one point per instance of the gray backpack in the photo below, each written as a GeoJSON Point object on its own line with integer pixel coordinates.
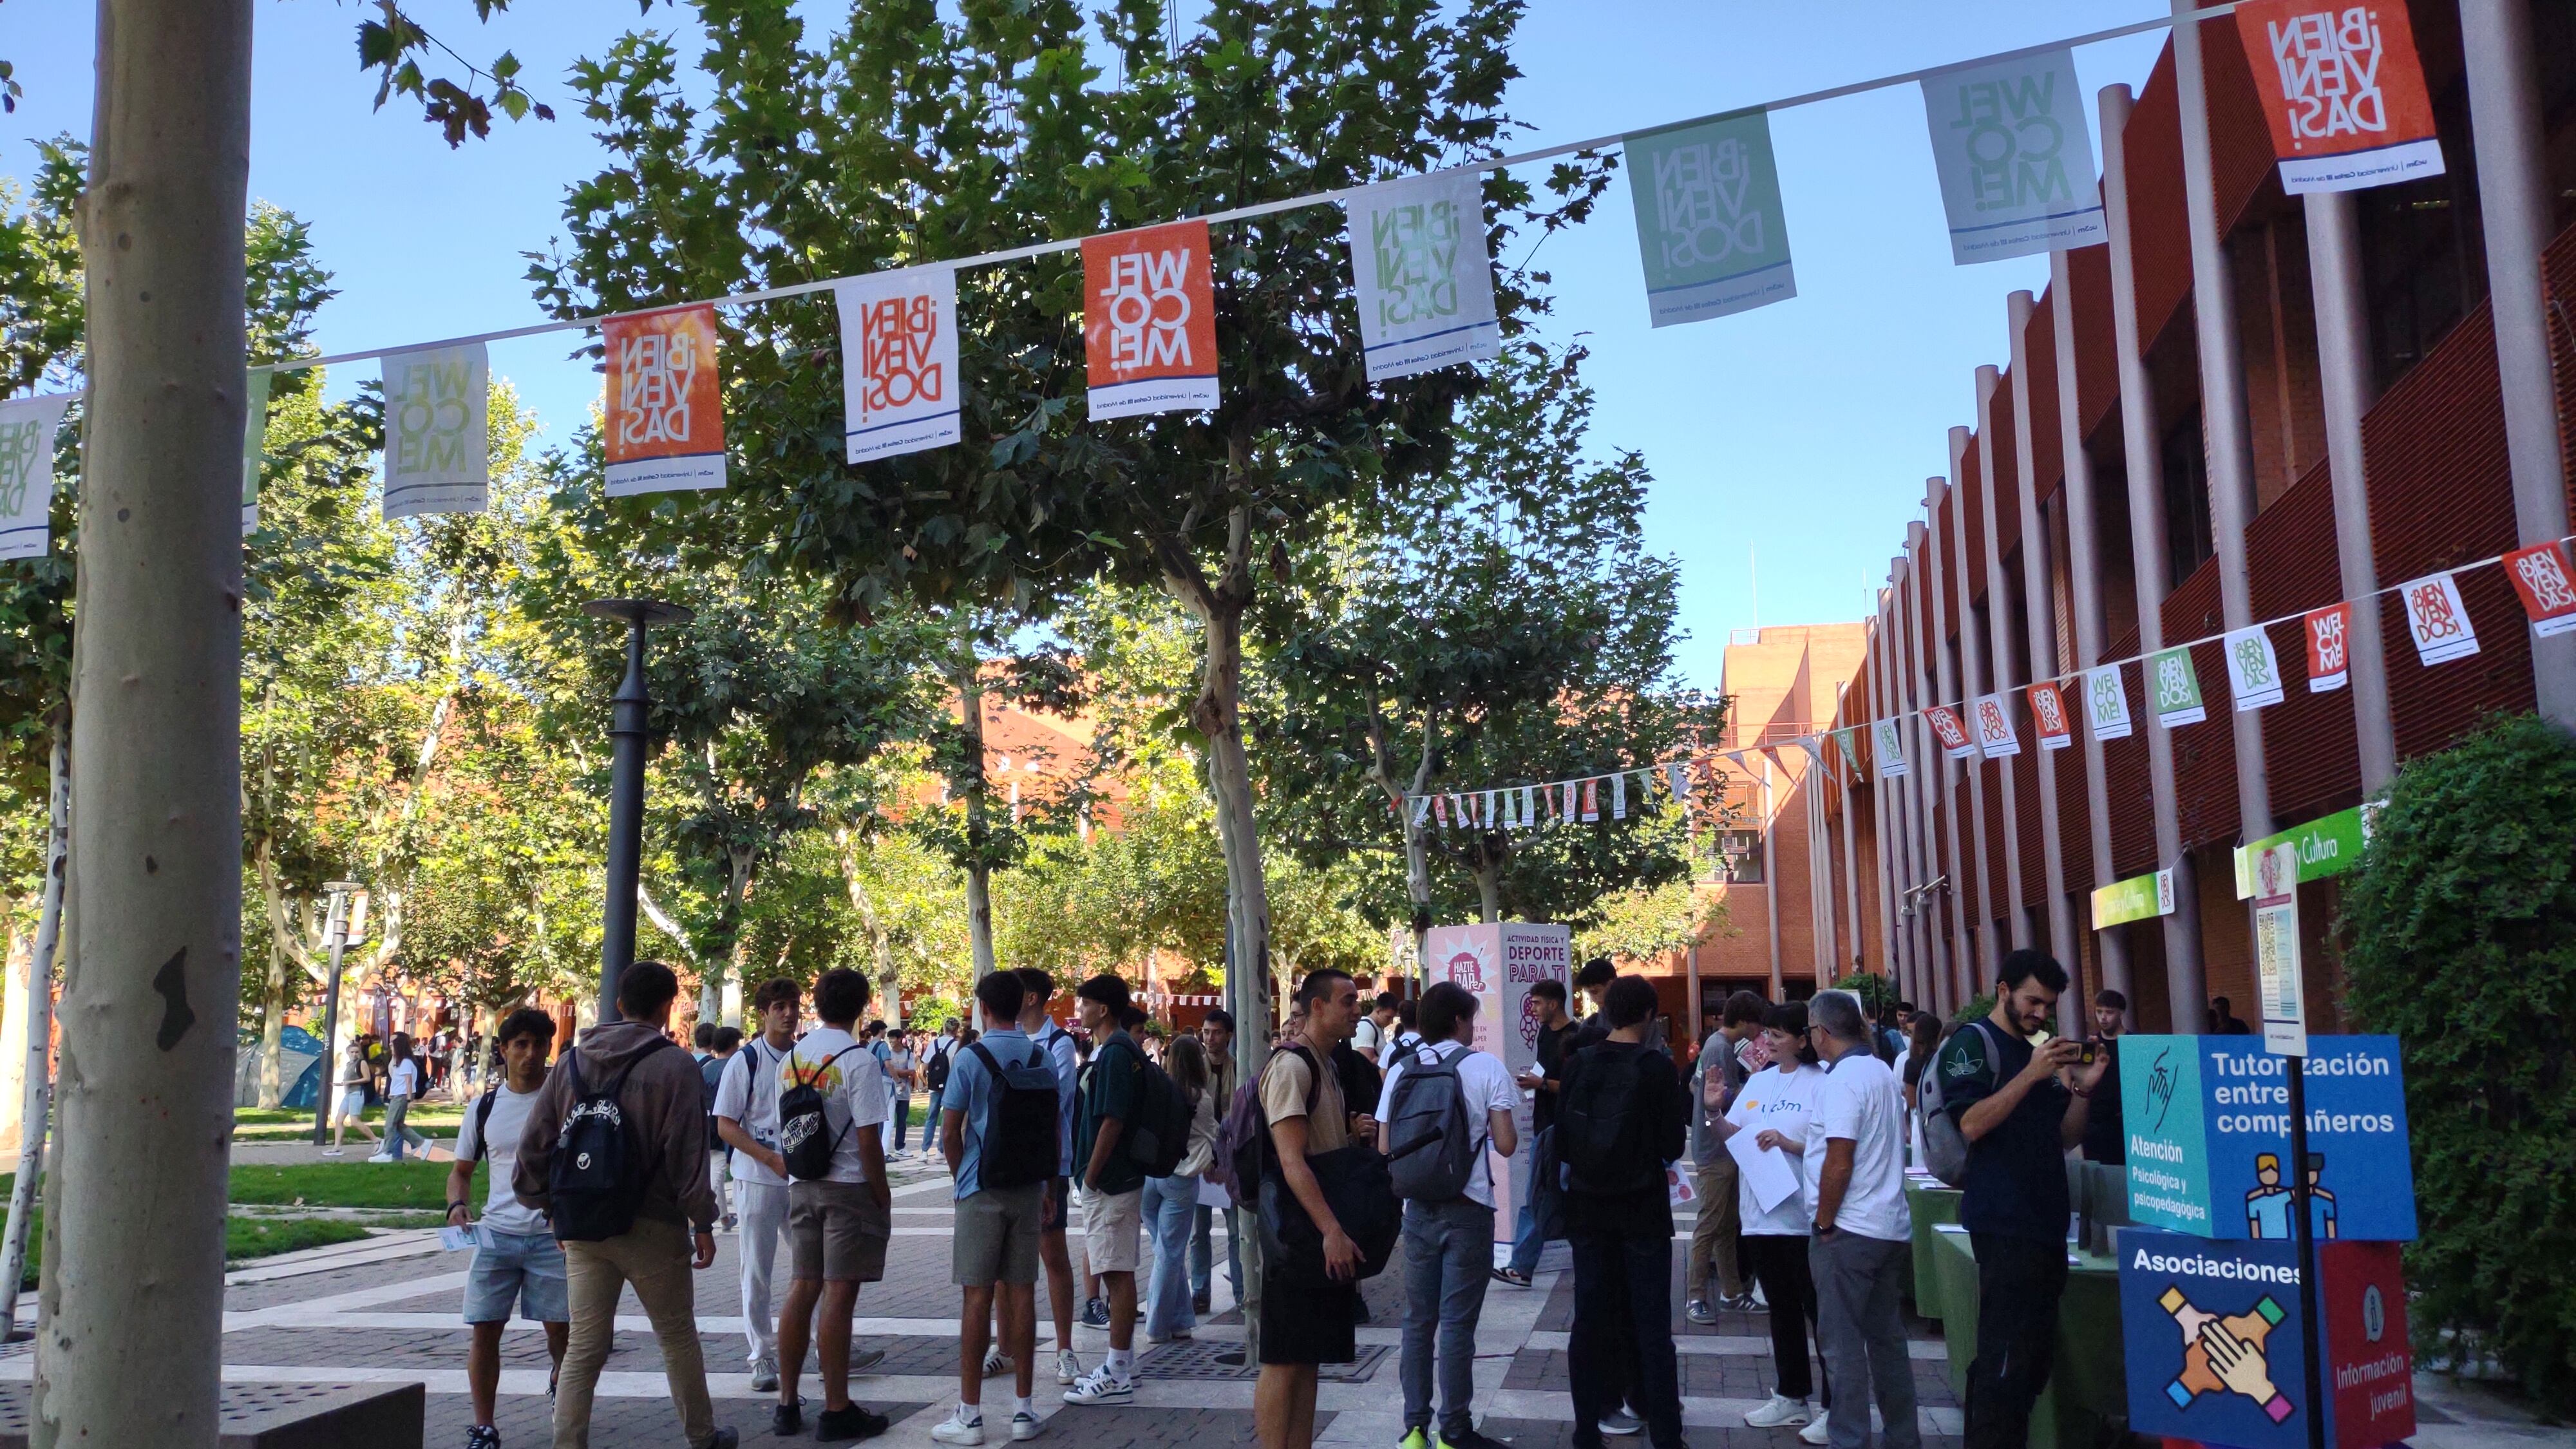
{"type": "Point", "coordinates": [1431, 1147]}
{"type": "Point", "coordinates": [1945, 1147]}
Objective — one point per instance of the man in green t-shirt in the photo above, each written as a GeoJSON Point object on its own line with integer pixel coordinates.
{"type": "Point", "coordinates": [1113, 1184]}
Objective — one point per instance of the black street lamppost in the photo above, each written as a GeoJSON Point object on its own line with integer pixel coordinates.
{"type": "Point", "coordinates": [629, 717]}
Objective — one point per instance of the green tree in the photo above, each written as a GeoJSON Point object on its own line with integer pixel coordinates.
{"type": "Point", "coordinates": [1643, 925]}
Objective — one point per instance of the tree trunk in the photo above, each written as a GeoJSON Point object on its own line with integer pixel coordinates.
{"type": "Point", "coordinates": [272, 1029]}
{"type": "Point", "coordinates": [1417, 856]}
{"type": "Point", "coordinates": [969, 676]}
{"type": "Point", "coordinates": [880, 940]}
{"type": "Point", "coordinates": [37, 1094]}
{"type": "Point", "coordinates": [136, 1234]}
{"type": "Point", "coordinates": [1489, 887]}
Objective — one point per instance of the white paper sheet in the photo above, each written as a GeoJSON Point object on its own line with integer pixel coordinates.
{"type": "Point", "coordinates": [1767, 1171]}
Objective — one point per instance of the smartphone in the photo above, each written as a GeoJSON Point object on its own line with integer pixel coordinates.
{"type": "Point", "coordinates": [2092, 1053]}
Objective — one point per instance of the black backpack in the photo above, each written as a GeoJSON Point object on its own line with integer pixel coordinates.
{"type": "Point", "coordinates": [1157, 1135]}
{"type": "Point", "coordinates": [802, 1138]}
{"type": "Point", "coordinates": [1018, 1133]}
{"type": "Point", "coordinates": [594, 1181]}
{"type": "Point", "coordinates": [1432, 1150]}
{"type": "Point", "coordinates": [1601, 1126]}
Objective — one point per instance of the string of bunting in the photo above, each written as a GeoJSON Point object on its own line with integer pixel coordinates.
{"type": "Point", "coordinates": [2011, 142]}
{"type": "Point", "coordinates": [1581, 799]}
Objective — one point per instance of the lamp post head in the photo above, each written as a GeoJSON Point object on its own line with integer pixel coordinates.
{"type": "Point", "coordinates": [639, 611]}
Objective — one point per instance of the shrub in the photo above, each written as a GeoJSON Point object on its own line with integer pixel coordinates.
{"type": "Point", "coordinates": [2460, 935]}
{"type": "Point", "coordinates": [1877, 994]}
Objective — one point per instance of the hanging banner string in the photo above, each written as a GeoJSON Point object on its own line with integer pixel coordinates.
{"type": "Point", "coordinates": [1811, 743]}
{"type": "Point", "coordinates": [1238, 213]}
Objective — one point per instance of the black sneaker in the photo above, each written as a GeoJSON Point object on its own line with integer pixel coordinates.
{"type": "Point", "coordinates": [855, 1422]}
{"type": "Point", "coordinates": [787, 1419]}
{"type": "Point", "coordinates": [482, 1436]}
{"type": "Point", "coordinates": [1095, 1313]}
{"type": "Point", "coordinates": [1199, 1304]}
{"type": "Point", "coordinates": [1470, 1440]}
{"type": "Point", "coordinates": [725, 1439]}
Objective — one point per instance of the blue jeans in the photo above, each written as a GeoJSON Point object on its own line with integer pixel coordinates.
{"type": "Point", "coordinates": [397, 1134]}
{"type": "Point", "coordinates": [902, 1119]}
{"type": "Point", "coordinates": [1203, 1256]}
{"type": "Point", "coordinates": [1525, 1239]}
{"type": "Point", "coordinates": [1170, 1210]}
{"type": "Point", "coordinates": [1448, 1255]}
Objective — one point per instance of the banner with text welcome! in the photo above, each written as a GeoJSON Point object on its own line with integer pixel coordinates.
{"type": "Point", "coordinates": [899, 379]}
{"type": "Point", "coordinates": [1149, 321]}
{"type": "Point", "coordinates": [438, 443]}
{"type": "Point", "coordinates": [1425, 280]}
{"type": "Point", "coordinates": [665, 402]}
{"type": "Point", "coordinates": [2015, 156]}
{"type": "Point", "coordinates": [2342, 91]}
{"type": "Point", "coordinates": [1709, 227]}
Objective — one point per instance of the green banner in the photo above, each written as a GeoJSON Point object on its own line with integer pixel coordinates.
{"type": "Point", "coordinates": [2174, 686]}
{"type": "Point", "coordinates": [2139, 898]}
{"type": "Point", "coordinates": [1709, 229]}
{"type": "Point", "coordinates": [2327, 847]}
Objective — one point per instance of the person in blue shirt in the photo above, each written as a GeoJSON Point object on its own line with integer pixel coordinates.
{"type": "Point", "coordinates": [1037, 989]}
{"type": "Point", "coordinates": [994, 1249]}
{"type": "Point", "coordinates": [2267, 1207]}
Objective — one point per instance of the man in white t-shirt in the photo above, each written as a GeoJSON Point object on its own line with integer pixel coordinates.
{"type": "Point", "coordinates": [516, 1257]}
{"type": "Point", "coordinates": [1855, 1192]}
{"type": "Point", "coordinates": [1370, 1038]}
{"type": "Point", "coordinates": [837, 1225]}
{"type": "Point", "coordinates": [1448, 1245]}
{"type": "Point", "coordinates": [747, 1120]}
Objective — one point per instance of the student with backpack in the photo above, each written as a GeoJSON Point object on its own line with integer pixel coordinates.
{"type": "Point", "coordinates": [1309, 1296]}
{"type": "Point", "coordinates": [936, 1061]}
{"type": "Point", "coordinates": [1621, 1116]}
{"type": "Point", "coordinates": [2000, 1113]}
{"type": "Point", "coordinates": [1444, 1107]}
{"type": "Point", "coordinates": [615, 1155]}
{"type": "Point", "coordinates": [1171, 1202]}
{"type": "Point", "coordinates": [1037, 989]}
{"type": "Point", "coordinates": [997, 1130]}
{"type": "Point", "coordinates": [747, 1118]}
{"type": "Point", "coordinates": [832, 1107]}
{"type": "Point", "coordinates": [1113, 1182]}
{"type": "Point", "coordinates": [1777, 1105]}
{"type": "Point", "coordinates": [725, 1043]}
{"type": "Point", "coordinates": [516, 1257]}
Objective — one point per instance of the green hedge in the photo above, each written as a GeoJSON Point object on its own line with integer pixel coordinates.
{"type": "Point", "coordinates": [2460, 937]}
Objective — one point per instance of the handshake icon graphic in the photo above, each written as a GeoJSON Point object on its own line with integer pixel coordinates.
{"type": "Point", "coordinates": [2225, 1353]}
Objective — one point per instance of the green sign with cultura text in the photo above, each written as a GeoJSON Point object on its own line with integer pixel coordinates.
{"type": "Point", "coordinates": [2139, 898]}
{"type": "Point", "coordinates": [2327, 847]}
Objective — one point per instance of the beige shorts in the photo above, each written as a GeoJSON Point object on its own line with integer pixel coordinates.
{"type": "Point", "coordinates": [837, 1231]}
{"type": "Point", "coordinates": [1110, 1221]}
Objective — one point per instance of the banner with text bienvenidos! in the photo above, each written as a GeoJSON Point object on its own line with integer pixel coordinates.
{"type": "Point", "coordinates": [27, 427]}
{"type": "Point", "coordinates": [899, 362]}
{"type": "Point", "coordinates": [1709, 226]}
{"type": "Point", "coordinates": [2016, 157]}
{"type": "Point", "coordinates": [664, 429]}
{"type": "Point", "coordinates": [1425, 280]}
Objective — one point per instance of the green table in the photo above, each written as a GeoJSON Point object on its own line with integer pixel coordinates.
{"type": "Point", "coordinates": [2088, 1390]}
{"type": "Point", "coordinates": [1930, 1204]}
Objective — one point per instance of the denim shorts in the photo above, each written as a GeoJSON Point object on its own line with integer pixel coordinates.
{"type": "Point", "coordinates": [527, 1268]}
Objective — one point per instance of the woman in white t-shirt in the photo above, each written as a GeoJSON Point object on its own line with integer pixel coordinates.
{"type": "Point", "coordinates": [1777, 1105]}
{"type": "Point", "coordinates": [402, 1083]}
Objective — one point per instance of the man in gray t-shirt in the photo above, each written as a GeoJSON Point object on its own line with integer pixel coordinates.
{"type": "Point", "coordinates": [1721, 1073]}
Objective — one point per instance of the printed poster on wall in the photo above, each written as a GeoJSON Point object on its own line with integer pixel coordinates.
{"type": "Point", "coordinates": [1149, 321]}
{"type": "Point", "coordinates": [27, 428]}
{"type": "Point", "coordinates": [438, 442]}
{"type": "Point", "coordinates": [2438, 619]}
{"type": "Point", "coordinates": [1995, 737]}
{"type": "Point", "coordinates": [2106, 703]}
{"type": "Point", "coordinates": [2015, 155]}
{"type": "Point", "coordinates": [2279, 989]}
{"type": "Point", "coordinates": [1709, 227]}
{"type": "Point", "coordinates": [1891, 750]}
{"type": "Point", "coordinates": [899, 383]}
{"type": "Point", "coordinates": [1955, 744]}
{"type": "Point", "coordinates": [2343, 92]}
{"type": "Point", "coordinates": [665, 421]}
{"type": "Point", "coordinates": [2540, 575]}
{"type": "Point", "coordinates": [254, 448]}
{"type": "Point", "coordinates": [1425, 280]}
{"type": "Point", "coordinates": [2176, 687]}
{"type": "Point", "coordinates": [2253, 672]}
{"type": "Point", "coordinates": [2329, 635]}
{"type": "Point", "coordinates": [2049, 718]}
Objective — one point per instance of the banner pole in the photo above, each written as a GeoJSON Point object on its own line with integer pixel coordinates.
{"type": "Point", "coordinates": [2303, 1232]}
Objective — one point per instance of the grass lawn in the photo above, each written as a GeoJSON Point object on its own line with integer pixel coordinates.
{"type": "Point", "coordinates": [358, 1184]}
{"type": "Point", "coordinates": [244, 1238]}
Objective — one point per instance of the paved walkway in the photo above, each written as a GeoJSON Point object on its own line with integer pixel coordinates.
{"type": "Point", "coordinates": [386, 1310]}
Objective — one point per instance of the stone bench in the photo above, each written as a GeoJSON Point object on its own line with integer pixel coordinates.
{"type": "Point", "coordinates": [282, 1416]}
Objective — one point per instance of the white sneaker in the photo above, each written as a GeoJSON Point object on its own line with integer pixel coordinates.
{"type": "Point", "coordinates": [1100, 1386]}
{"type": "Point", "coordinates": [958, 1429]}
{"type": "Point", "coordinates": [996, 1363]}
{"type": "Point", "coordinates": [1026, 1425]}
{"type": "Point", "coordinates": [330, 1151]}
{"type": "Point", "coordinates": [1068, 1369]}
{"type": "Point", "coordinates": [1780, 1412]}
{"type": "Point", "coordinates": [1815, 1432]}
{"type": "Point", "coordinates": [1620, 1424]}
{"type": "Point", "coordinates": [764, 1376]}
{"type": "Point", "coordinates": [382, 1157]}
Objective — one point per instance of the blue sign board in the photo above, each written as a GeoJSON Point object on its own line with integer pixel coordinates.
{"type": "Point", "coordinates": [2208, 1123]}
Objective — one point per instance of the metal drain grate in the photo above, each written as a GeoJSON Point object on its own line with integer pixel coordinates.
{"type": "Point", "coordinates": [1197, 1359]}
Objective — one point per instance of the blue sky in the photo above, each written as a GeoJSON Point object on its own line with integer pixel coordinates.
{"type": "Point", "coordinates": [1798, 435]}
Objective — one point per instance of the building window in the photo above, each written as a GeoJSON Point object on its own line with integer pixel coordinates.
{"type": "Point", "coordinates": [2186, 470]}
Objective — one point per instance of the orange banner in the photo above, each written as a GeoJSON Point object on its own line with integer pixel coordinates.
{"type": "Point", "coordinates": [665, 407]}
{"type": "Point", "coordinates": [2343, 92]}
{"type": "Point", "coordinates": [1149, 321]}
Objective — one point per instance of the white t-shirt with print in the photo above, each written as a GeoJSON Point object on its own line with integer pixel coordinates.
{"type": "Point", "coordinates": [1484, 1085]}
{"type": "Point", "coordinates": [403, 1080]}
{"type": "Point", "coordinates": [853, 1088]}
{"type": "Point", "coordinates": [748, 1093]}
{"type": "Point", "coordinates": [498, 1140]}
{"type": "Point", "coordinates": [1782, 1102]}
{"type": "Point", "coordinates": [1861, 1099]}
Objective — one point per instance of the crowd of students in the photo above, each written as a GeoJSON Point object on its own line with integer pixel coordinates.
{"type": "Point", "coordinates": [1790, 1132]}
